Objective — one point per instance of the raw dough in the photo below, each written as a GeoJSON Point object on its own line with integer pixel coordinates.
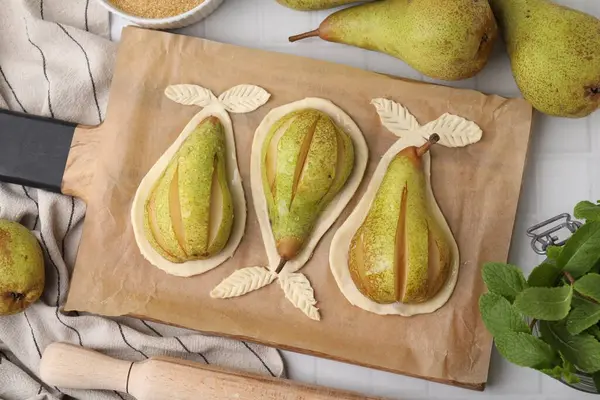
{"type": "Point", "coordinates": [243, 281]}
{"type": "Point", "coordinates": [195, 267]}
{"type": "Point", "coordinates": [299, 292]}
{"type": "Point", "coordinates": [338, 255]}
{"type": "Point", "coordinates": [337, 205]}
{"type": "Point", "coordinates": [244, 98]}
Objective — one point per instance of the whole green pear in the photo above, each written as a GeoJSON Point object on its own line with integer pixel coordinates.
{"type": "Point", "coordinates": [307, 5]}
{"type": "Point", "coordinates": [22, 274]}
{"type": "Point", "coordinates": [555, 55]}
{"type": "Point", "coordinates": [443, 39]}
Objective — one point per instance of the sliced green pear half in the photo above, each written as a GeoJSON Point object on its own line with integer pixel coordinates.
{"type": "Point", "coordinates": [308, 159]}
{"type": "Point", "coordinates": [189, 211]}
{"type": "Point", "coordinates": [395, 254]}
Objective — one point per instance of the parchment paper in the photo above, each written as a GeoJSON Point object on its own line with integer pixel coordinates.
{"type": "Point", "coordinates": [477, 188]}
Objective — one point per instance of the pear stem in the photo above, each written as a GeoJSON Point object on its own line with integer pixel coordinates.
{"type": "Point", "coordinates": [433, 139]}
{"type": "Point", "coordinates": [304, 35]}
{"type": "Point", "coordinates": [281, 265]}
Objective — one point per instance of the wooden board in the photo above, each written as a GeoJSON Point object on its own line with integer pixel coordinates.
{"type": "Point", "coordinates": [477, 188]}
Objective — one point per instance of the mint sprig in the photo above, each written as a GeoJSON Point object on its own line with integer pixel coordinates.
{"type": "Point", "coordinates": [580, 253]}
{"type": "Point", "coordinates": [589, 286]}
{"type": "Point", "coordinates": [550, 304]}
{"type": "Point", "coordinates": [544, 275]}
{"type": "Point", "coordinates": [582, 350]}
{"type": "Point", "coordinates": [583, 316]}
{"type": "Point", "coordinates": [504, 279]}
{"type": "Point", "coordinates": [499, 316]}
{"type": "Point", "coordinates": [561, 296]}
{"type": "Point", "coordinates": [526, 350]}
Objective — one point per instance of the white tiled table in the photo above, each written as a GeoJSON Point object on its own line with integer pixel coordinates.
{"type": "Point", "coordinates": [563, 168]}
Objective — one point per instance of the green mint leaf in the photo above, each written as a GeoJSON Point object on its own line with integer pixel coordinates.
{"type": "Point", "coordinates": [525, 350]}
{"type": "Point", "coordinates": [596, 268]}
{"type": "Point", "coordinates": [553, 252]}
{"type": "Point", "coordinates": [549, 304]}
{"type": "Point", "coordinates": [582, 250]}
{"type": "Point", "coordinates": [499, 316]}
{"type": "Point", "coordinates": [570, 377]}
{"type": "Point", "coordinates": [582, 350]}
{"type": "Point", "coordinates": [588, 211]}
{"type": "Point", "coordinates": [578, 301]}
{"type": "Point", "coordinates": [556, 372]}
{"type": "Point", "coordinates": [559, 373]}
{"type": "Point", "coordinates": [582, 317]}
{"type": "Point", "coordinates": [504, 279]}
{"type": "Point", "coordinates": [594, 331]}
{"type": "Point", "coordinates": [566, 364]}
{"type": "Point", "coordinates": [565, 371]}
{"type": "Point", "coordinates": [544, 275]}
{"type": "Point", "coordinates": [589, 285]}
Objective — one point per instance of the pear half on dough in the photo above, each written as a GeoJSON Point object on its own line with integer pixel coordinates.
{"type": "Point", "coordinates": [189, 213]}
{"type": "Point", "coordinates": [306, 160]}
{"type": "Point", "coordinates": [399, 252]}
{"type": "Point", "coordinates": [395, 254]}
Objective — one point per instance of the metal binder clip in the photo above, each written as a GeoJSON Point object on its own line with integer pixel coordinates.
{"type": "Point", "coordinates": [541, 240]}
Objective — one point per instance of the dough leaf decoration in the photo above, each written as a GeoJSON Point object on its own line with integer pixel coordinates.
{"type": "Point", "coordinates": [244, 98]}
{"type": "Point", "coordinates": [296, 287]}
{"type": "Point", "coordinates": [454, 131]}
{"type": "Point", "coordinates": [299, 292]}
{"type": "Point", "coordinates": [243, 281]}
{"type": "Point", "coordinates": [190, 95]}
{"type": "Point", "coordinates": [163, 238]}
{"type": "Point", "coordinates": [239, 99]}
{"type": "Point", "coordinates": [395, 117]}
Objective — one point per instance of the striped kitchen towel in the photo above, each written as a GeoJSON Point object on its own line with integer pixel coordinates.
{"type": "Point", "coordinates": [56, 61]}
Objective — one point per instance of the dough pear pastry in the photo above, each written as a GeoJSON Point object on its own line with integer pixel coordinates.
{"type": "Point", "coordinates": [395, 254]}
{"type": "Point", "coordinates": [306, 160]}
{"type": "Point", "coordinates": [399, 253]}
{"type": "Point", "coordinates": [189, 213]}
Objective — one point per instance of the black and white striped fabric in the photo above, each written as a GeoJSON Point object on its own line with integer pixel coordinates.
{"type": "Point", "coordinates": [56, 61]}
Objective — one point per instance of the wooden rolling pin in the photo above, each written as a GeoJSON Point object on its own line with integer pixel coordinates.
{"type": "Point", "coordinates": [158, 378]}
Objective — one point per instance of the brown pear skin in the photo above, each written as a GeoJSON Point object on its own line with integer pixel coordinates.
{"type": "Point", "coordinates": [399, 253]}
{"type": "Point", "coordinates": [443, 39]}
{"type": "Point", "coordinates": [555, 55]}
{"type": "Point", "coordinates": [309, 5]}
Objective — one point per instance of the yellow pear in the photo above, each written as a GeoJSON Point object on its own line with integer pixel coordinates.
{"type": "Point", "coordinates": [189, 212]}
{"type": "Point", "coordinates": [399, 253]}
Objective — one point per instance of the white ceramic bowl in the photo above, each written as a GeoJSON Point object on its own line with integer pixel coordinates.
{"type": "Point", "coordinates": [178, 21]}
